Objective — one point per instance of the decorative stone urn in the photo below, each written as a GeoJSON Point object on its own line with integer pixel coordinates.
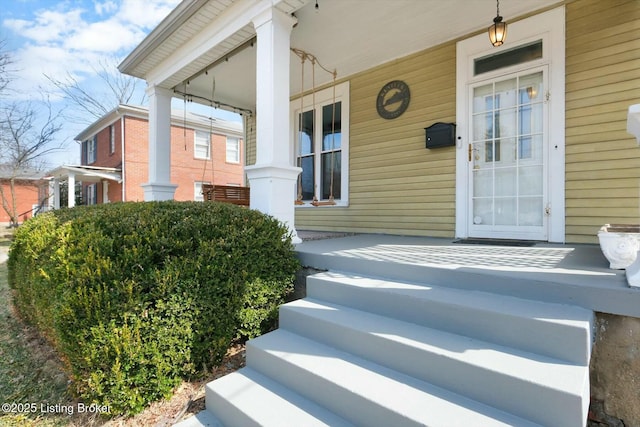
{"type": "Point", "coordinates": [620, 244]}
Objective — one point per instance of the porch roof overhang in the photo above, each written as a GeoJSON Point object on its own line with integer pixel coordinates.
{"type": "Point", "coordinates": [86, 173]}
{"type": "Point", "coordinates": [216, 36]}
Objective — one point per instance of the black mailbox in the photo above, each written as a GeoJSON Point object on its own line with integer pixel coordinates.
{"type": "Point", "coordinates": [441, 135]}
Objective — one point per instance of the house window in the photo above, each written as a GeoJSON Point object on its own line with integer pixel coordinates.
{"type": "Point", "coordinates": [197, 190]}
{"type": "Point", "coordinates": [233, 150]}
{"type": "Point", "coordinates": [91, 149]}
{"type": "Point", "coordinates": [322, 145]}
{"type": "Point", "coordinates": [112, 139]}
{"type": "Point", "coordinates": [92, 194]}
{"type": "Point", "coordinates": [202, 145]}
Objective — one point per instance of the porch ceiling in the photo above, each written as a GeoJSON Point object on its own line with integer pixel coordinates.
{"type": "Point", "coordinates": [346, 35]}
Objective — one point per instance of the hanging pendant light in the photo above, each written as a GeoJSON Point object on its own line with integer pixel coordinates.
{"type": "Point", "coordinates": [498, 31]}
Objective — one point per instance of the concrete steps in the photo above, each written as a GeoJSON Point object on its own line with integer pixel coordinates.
{"type": "Point", "coordinates": [365, 351]}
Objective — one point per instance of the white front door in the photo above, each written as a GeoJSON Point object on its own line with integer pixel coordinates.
{"type": "Point", "coordinates": [510, 116]}
{"type": "Point", "coordinates": [507, 149]}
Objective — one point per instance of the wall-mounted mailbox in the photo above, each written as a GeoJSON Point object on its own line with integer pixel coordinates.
{"type": "Point", "coordinates": [441, 135]}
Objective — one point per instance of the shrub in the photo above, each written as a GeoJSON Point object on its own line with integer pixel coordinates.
{"type": "Point", "coordinates": [138, 296]}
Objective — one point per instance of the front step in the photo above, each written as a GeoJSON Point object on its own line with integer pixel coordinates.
{"type": "Point", "coordinates": [248, 398]}
{"type": "Point", "coordinates": [458, 363]}
{"type": "Point", "coordinates": [362, 391]}
{"type": "Point", "coordinates": [372, 352]}
{"type": "Point", "coordinates": [554, 330]}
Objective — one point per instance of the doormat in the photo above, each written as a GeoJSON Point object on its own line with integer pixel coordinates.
{"type": "Point", "coordinates": [496, 242]}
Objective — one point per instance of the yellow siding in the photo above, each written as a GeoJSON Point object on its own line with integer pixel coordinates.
{"type": "Point", "coordinates": [396, 185]}
{"type": "Point", "coordinates": [602, 80]}
{"type": "Point", "coordinates": [399, 187]}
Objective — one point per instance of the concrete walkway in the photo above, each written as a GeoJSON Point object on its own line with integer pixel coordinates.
{"type": "Point", "coordinates": [4, 254]}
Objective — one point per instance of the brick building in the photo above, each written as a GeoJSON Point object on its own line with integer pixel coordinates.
{"type": "Point", "coordinates": [115, 156]}
{"type": "Point", "coordinates": [30, 193]}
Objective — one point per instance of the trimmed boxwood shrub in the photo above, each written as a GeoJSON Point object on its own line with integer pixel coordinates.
{"type": "Point", "coordinates": [138, 296]}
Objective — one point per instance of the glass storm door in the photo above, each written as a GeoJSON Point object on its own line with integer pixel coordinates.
{"type": "Point", "coordinates": [507, 157]}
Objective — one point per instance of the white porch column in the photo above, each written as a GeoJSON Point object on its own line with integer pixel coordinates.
{"type": "Point", "coordinates": [56, 193]}
{"type": "Point", "coordinates": [105, 191]}
{"type": "Point", "coordinates": [159, 186]}
{"type": "Point", "coordinates": [273, 177]}
{"type": "Point", "coordinates": [71, 192]}
{"type": "Point", "coordinates": [51, 194]}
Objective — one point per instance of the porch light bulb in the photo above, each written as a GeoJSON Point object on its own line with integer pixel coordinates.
{"type": "Point", "coordinates": [498, 31]}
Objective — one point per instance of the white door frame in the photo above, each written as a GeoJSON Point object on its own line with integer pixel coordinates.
{"type": "Point", "coordinates": [549, 27]}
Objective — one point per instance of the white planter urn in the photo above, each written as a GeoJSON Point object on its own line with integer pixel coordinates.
{"type": "Point", "coordinates": [620, 244]}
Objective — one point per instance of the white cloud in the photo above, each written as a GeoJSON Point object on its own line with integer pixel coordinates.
{"type": "Point", "coordinates": [71, 39]}
{"type": "Point", "coordinates": [109, 36]}
{"type": "Point", "coordinates": [48, 26]}
{"type": "Point", "coordinates": [105, 7]}
{"type": "Point", "coordinates": [145, 14]}
{"type": "Point", "coordinates": [36, 62]}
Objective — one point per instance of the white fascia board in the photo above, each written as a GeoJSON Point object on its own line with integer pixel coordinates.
{"type": "Point", "coordinates": [98, 125]}
{"type": "Point", "coordinates": [233, 19]}
{"type": "Point", "coordinates": [84, 172]}
{"type": "Point", "coordinates": [167, 26]}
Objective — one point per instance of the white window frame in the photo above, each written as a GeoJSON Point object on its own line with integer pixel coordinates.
{"type": "Point", "coordinates": [112, 139]}
{"type": "Point", "coordinates": [322, 98]}
{"type": "Point", "coordinates": [197, 190]}
{"type": "Point", "coordinates": [92, 194]}
{"type": "Point", "coordinates": [198, 137]}
{"type": "Point", "coordinates": [234, 151]}
{"type": "Point", "coordinates": [92, 148]}
{"type": "Point", "coordinates": [548, 26]}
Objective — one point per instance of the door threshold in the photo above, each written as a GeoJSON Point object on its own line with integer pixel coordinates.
{"type": "Point", "coordinates": [496, 242]}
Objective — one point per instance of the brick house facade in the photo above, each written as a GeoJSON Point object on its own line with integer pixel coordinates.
{"type": "Point", "coordinates": [203, 150]}
{"type": "Point", "coordinates": [30, 192]}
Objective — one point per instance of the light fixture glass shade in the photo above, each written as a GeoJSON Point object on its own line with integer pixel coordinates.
{"type": "Point", "coordinates": [498, 31]}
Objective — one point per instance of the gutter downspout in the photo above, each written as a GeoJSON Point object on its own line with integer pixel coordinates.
{"type": "Point", "coordinates": [245, 122]}
{"type": "Point", "coordinates": [122, 160]}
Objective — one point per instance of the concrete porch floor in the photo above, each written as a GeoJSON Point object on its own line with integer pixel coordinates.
{"type": "Point", "coordinates": [561, 273]}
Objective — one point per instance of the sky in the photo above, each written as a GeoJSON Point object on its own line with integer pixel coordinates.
{"type": "Point", "coordinates": [61, 37]}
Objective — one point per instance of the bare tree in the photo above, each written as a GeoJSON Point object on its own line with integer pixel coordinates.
{"type": "Point", "coordinates": [27, 136]}
{"type": "Point", "coordinates": [5, 71]}
{"type": "Point", "coordinates": [121, 90]}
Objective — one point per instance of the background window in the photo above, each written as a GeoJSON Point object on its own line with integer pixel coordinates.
{"type": "Point", "coordinates": [197, 190]}
{"type": "Point", "coordinates": [112, 139]}
{"type": "Point", "coordinates": [92, 194]}
{"type": "Point", "coordinates": [233, 150]}
{"type": "Point", "coordinates": [91, 149]}
{"type": "Point", "coordinates": [202, 145]}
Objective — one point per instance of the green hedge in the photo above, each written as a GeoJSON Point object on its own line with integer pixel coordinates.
{"type": "Point", "coordinates": [138, 296]}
